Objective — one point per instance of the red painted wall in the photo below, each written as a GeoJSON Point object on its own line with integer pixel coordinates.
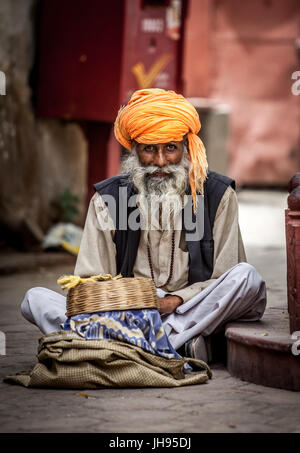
{"type": "Point", "coordinates": [243, 54]}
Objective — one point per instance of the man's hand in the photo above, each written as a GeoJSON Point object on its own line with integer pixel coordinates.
{"type": "Point", "coordinates": [168, 304]}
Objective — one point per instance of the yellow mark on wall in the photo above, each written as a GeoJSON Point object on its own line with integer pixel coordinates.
{"type": "Point", "coordinates": [146, 79]}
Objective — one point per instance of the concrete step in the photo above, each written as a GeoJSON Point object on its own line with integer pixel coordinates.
{"type": "Point", "coordinates": [264, 352]}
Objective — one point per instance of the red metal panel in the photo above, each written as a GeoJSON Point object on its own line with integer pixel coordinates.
{"type": "Point", "coordinates": [80, 47]}
{"type": "Point", "coordinates": [93, 54]}
{"type": "Point", "coordinates": [153, 51]}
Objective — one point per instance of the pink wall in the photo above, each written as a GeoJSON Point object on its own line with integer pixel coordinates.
{"type": "Point", "coordinates": [244, 54]}
{"type": "Point", "coordinates": [198, 52]}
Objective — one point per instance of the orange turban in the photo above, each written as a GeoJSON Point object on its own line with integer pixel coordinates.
{"type": "Point", "coordinates": [157, 116]}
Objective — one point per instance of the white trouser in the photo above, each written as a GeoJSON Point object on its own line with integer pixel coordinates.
{"type": "Point", "coordinates": [240, 293]}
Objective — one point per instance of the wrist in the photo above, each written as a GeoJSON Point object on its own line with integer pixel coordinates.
{"type": "Point", "coordinates": [179, 299]}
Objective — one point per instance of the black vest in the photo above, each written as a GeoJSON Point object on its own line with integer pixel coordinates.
{"type": "Point", "coordinates": [201, 252]}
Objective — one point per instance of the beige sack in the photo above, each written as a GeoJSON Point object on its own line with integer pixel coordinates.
{"type": "Point", "coordinates": [68, 361]}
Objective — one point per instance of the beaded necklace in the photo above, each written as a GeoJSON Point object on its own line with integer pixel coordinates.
{"type": "Point", "coordinates": [172, 256]}
{"type": "Point", "coordinates": [171, 263]}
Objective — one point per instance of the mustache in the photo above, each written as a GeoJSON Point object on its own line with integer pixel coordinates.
{"type": "Point", "coordinates": [168, 169]}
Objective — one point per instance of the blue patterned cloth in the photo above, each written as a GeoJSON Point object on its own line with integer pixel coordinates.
{"type": "Point", "coordinates": [142, 328]}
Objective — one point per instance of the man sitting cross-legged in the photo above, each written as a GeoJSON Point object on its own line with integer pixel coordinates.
{"type": "Point", "coordinates": [202, 280]}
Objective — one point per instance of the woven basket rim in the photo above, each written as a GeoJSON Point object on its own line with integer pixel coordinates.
{"type": "Point", "coordinates": [113, 295]}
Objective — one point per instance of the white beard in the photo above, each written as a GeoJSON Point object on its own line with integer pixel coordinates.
{"type": "Point", "coordinates": [155, 192]}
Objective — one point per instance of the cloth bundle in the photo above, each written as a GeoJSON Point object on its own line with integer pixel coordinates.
{"type": "Point", "coordinates": [142, 328]}
{"type": "Point", "coordinates": [127, 348]}
{"type": "Point", "coordinates": [68, 361]}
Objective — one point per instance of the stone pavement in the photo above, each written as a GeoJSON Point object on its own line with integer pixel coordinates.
{"type": "Point", "coordinates": [224, 404]}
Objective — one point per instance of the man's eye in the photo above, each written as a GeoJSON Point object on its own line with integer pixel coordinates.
{"type": "Point", "coordinates": [171, 147]}
{"type": "Point", "coordinates": [149, 148]}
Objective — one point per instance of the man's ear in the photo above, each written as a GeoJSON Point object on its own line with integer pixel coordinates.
{"type": "Point", "coordinates": [185, 141]}
{"type": "Point", "coordinates": [133, 145]}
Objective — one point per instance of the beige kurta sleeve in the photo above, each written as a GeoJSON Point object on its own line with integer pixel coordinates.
{"type": "Point", "coordinates": [228, 245]}
{"type": "Point", "coordinates": [97, 253]}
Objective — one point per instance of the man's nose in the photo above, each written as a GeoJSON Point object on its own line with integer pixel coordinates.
{"type": "Point", "coordinates": [160, 158]}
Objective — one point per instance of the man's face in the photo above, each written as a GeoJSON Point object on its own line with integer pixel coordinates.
{"type": "Point", "coordinates": [159, 170]}
{"type": "Point", "coordinates": [160, 155]}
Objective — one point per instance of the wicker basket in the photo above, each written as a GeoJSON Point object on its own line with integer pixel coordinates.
{"type": "Point", "coordinates": [109, 295]}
